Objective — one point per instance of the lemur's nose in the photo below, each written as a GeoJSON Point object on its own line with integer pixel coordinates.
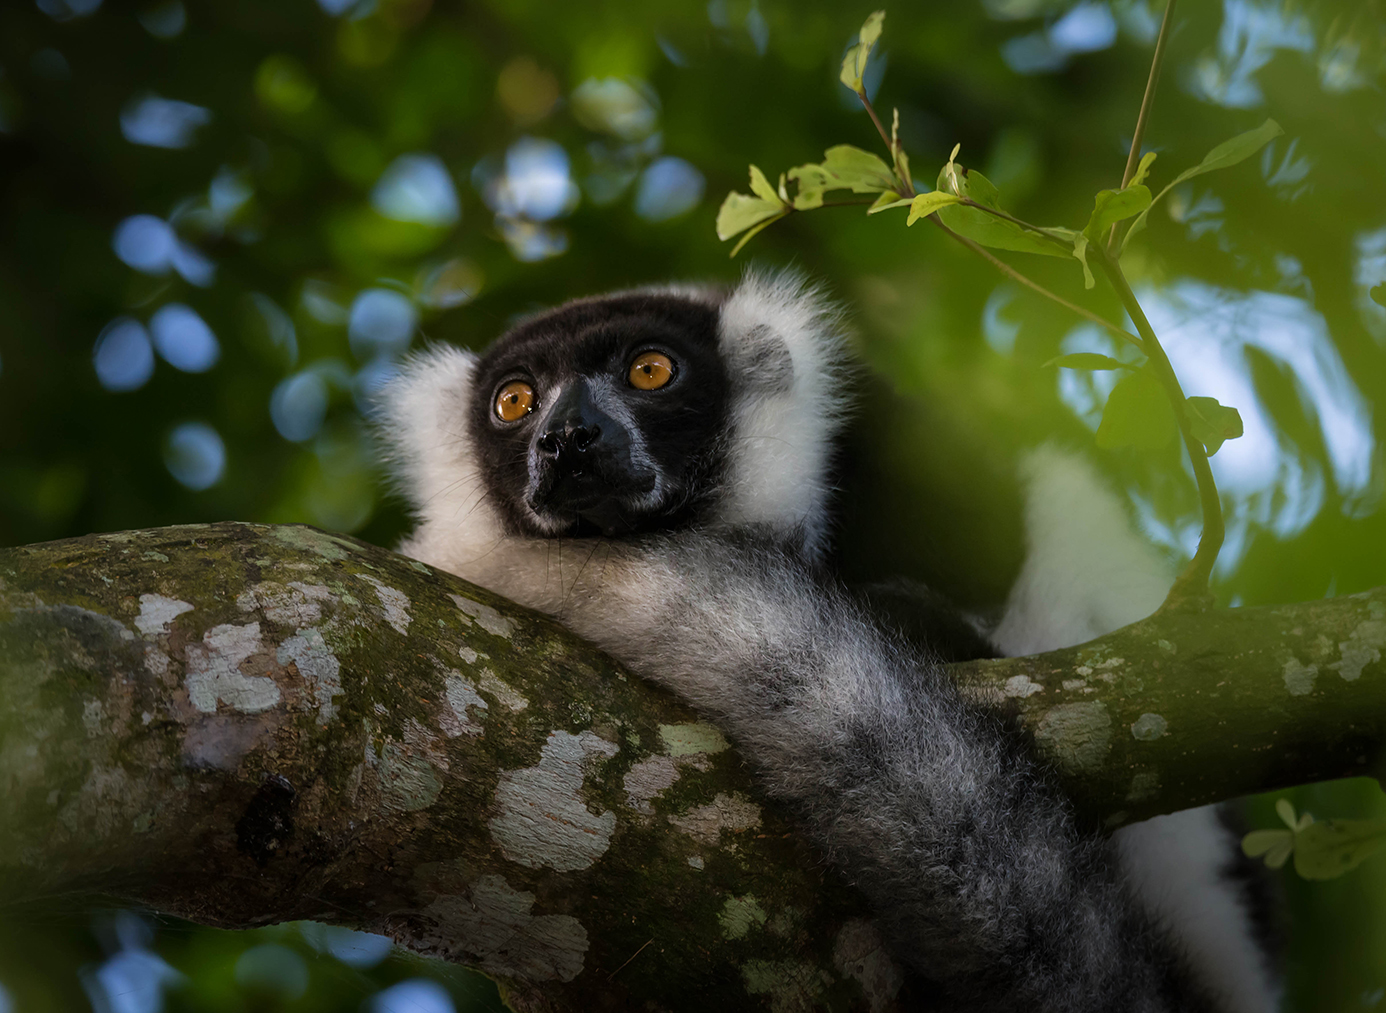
{"type": "Point", "coordinates": [575, 424]}
{"type": "Point", "coordinates": [571, 436]}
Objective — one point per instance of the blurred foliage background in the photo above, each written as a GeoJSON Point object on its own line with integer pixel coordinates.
{"type": "Point", "coordinates": [221, 225]}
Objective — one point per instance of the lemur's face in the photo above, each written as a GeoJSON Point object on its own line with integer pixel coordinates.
{"type": "Point", "coordinates": [603, 417]}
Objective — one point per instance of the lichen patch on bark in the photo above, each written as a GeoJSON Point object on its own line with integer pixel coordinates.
{"type": "Point", "coordinates": [1149, 727]}
{"type": "Point", "coordinates": [394, 604]}
{"type": "Point", "coordinates": [739, 915]}
{"type": "Point", "coordinates": [542, 820]}
{"type": "Point", "coordinates": [1075, 736]}
{"type": "Point", "coordinates": [1363, 646]}
{"type": "Point", "coordinates": [859, 953]}
{"type": "Point", "coordinates": [485, 616]}
{"type": "Point", "coordinates": [694, 737]}
{"type": "Point", "coordinates": [792, 985]}
{"type": "Point", "coordinates": [319, 668]}
{"type": "Point", "coordinates": [1021, 686]}
{"type": "Point", "coordinates": [157, 613]}
{"type": "Point", "coordinates": [1299, 678]}
{"type": "Point", "coordinates": [296, 604]}
{"type": "Point", "coordinates": [494, 926]}
{"type": "Point", "coordinates": [505, 695]}
{"type": "Point", "coordinates": [214, 673]}
{"type": "Point", "coordinates": [461, 694]}
{"type": "Point", "coordinates": [734, 812]}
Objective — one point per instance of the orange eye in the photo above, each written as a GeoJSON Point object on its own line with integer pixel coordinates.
{"type": "Point", "coordinates": [515, 401]}
{"type": "Point", "coordinates": [651, 370]}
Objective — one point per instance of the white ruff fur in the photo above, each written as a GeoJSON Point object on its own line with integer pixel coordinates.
{"type": "Point", "coordinates": [1087, 573]}
{"type": "Point", "coordinates": [781, 439]}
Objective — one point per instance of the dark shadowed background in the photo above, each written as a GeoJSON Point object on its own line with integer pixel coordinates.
{"type": "Point", "coordinates": [222, 224]}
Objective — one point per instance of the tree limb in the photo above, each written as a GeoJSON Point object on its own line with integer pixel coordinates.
{"type": "Point", "coordinates": [243, 724]}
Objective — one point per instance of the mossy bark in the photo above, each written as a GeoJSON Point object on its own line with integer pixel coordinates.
{"type": "Point", "coordinates": [242, 724]}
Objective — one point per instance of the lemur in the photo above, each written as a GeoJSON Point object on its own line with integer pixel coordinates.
{"type": "Point", "coordinates": [651, 468]}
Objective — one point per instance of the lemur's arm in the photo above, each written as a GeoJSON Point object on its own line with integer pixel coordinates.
{"type": "Point", "coordinates": [954, 834]}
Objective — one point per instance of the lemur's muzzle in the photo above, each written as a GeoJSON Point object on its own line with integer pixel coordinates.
{"type": "Point", "coordinates": [581, 463]}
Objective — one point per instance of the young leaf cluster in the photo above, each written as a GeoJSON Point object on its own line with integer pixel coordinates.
{"type": "Point", "coordinates": [1321, 849]}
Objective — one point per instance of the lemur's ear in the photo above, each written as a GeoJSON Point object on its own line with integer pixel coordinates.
{"type": "Point", "coordinates": [783, 348]}
{"type": "Point", "coordinates": [760, 360]}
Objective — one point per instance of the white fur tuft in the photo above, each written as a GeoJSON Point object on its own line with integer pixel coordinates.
{"type": "Point", "coordinates": [1177, 865]}
{"type": "Point", "coordinates": [1086, 572]}
{"type": "Point", "coordinates": [778, 468]}
{"type": "Point", "coordinates": [429, 452]}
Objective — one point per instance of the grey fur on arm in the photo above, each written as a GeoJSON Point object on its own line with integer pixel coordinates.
{"type": "Point", "coordinates": [927, 803]}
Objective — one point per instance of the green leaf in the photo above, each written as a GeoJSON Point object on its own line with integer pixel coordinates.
{"type": "Point", "coordinates": [756, 229]}
{"type": "Point", "coordinates": [760, 186]}
{"type": "Point", "coordinates": [887, 199]}
{"type": "Point", "coordinates": [1087, 360]}
{"type": "Point", "coordinates": [1112, 206]}
{"type": "Point", "coordinates": [1212, 423]}
{"type": "Point", "coordinates": [854, 63]}
{"type": "Point", "coordinates": [1330, 848]}
{"type": "Point", "coordinates": [739, 211]}
{"type": "Point", "coordinates": [843, 168]}
{"type": "Point", "coordinates": [988, 229]}
{"type": "Point", "coordinates": [1137, 415]}
{"type": "Point", "coordinates": [1226, 154]}
{"type": "Point", "coordinates": [1080, 250]}
{"type": "Point", "coordinates": [1378, 294]}
{"type": "Point", "coordinates": [1143, 169]}
{"type": "Point", "coordinates": [1276, 858]}
{"type": "Point", "coordinates": [926, 204]}
{"type": "Point", "coordinates": [1259, 842]}
{"type": "Point", "coordinates": [1285, 809]}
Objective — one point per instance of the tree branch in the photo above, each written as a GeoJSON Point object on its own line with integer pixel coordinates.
{"type": "Point", "coordinates": [244, 724]}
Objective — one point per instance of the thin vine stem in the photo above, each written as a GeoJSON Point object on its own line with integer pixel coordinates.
{"type": "Point", "coordinates": [1191, 587]}
{"type": "Point", "coordinates": [1134, 156]}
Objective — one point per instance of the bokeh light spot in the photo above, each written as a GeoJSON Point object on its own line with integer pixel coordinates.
{"type": "Point", "coordinates": [67, 10]}
{"type": "Point", "coordinates": [530, 242]}
{"type": "Point", "coordinates": [526, 90]}
{"type": "Point", "coordinates": [382, 322]}
{"type": "Point", "coordinates": [417, 995]}
{"type": "Point", "coordinates": [195, 455]}
{"type": "Point", "coordinates": [164, 21]}
{"type": "Point", "coordinates": [272, 968]}
{"type": "Point", "coordinates": [417, 188]}
{"type": "Point", "coordinates": [123, 357]}
{"type": "Point", "coordinates": [669, 187]}
{"type": "Point", "coordinates": [615, 106]}
{"type": "Point", "coordinates": [145, 242]}
{"type": "Point", "coordinates": [450, 284]}
{"type": "Point", "coordinates": [298, 406]}
{"type": "Point", "coordinates": [161, 122]}
{"type": "Point", "coordinates": [184, 339]}
{"type": "Point", "coordinates": [132, 981]}
{"type": "Point", "coordinates": [282, 84]}
{"type": "Point", "coordinates": [353, 948]}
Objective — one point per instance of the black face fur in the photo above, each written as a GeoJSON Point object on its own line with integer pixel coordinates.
{"type": "Point", "coordinates": [595, 454]}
